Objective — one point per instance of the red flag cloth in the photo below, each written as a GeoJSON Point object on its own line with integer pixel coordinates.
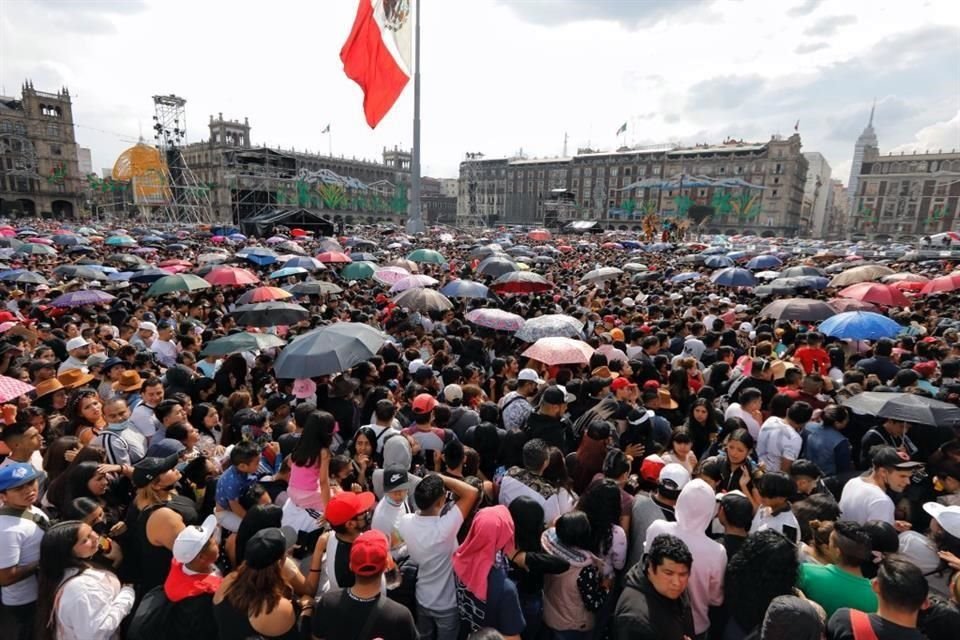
{"type": "Point", "coordinates": [369, 61]}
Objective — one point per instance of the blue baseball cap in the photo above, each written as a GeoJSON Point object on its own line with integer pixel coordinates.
{"type": "Point", "coordinates": [18, 474]}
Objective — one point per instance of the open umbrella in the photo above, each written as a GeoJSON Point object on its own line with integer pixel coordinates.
{"type": "Point", "coordinates": [495, 319]}
{"type": "Point", "coordinates": [28, 277]}
{"type": "Point", "coordinates": [864, 273]}
{"type": "Point", "coordinates": [358, 271]}
{"type": "Point", "coordinates": [860, 325]}
{"type": "Point", "coordinates": [287, 271]}
{"type": "Point", "coordinates": [764, 262]}
{"type": "Point", "coordinates": [333, 257]}
{"type": "Point", "coordinates": [403, 263]}
{"type": "Point", "coordinates": [81, 298]}
{"type": "Point", "coordinates": [876, 293]}
{"type": "Point", "coordinates": [554, 351]}
{"type": "Point", "coordinates": [269, 314]}
{"type": "Point", "coordinates": [362, 255]}
{"type": "Point", "coordinates": [521, 282]}
{"type": "Point", "coordinates": [719, 262]}
{"type": "Point", "coordinates": [264, 294]}
{"type": "Point", "coordinates": [799, 271]}
{"type": "Point", "coordinates": [420, 299]}
{"type": "Point", "coordinates": [908, 407]}
{"type": "Point", "coordinates": [120, 241]}
{"type": "Point", "coordinates": [497, 265]}
{"type": "Point", "coordinates": [602, 274]}
{"type": "Point", "coordinates": [943, 284]}
{"type": "Point", "coordinates": [412, 281]}
{"type": "Point", "coordinates": [465, 289]}
{"type": "Point", "coordinates": [390, 275]}
{"type": "Point", "coordinates": [83, 272]}
{"type": "Point", "coordinates": [774, 289]}
{"type": "Point", "coordinates": [149, 276]}
{"type": "Point", "coordinates": [842, 305]}
{"type": "Point", "coordinates": [240, 342]}
{"type": "Point", "coordinates": [35, 249]}
{"type": "Point", "coordinates": [230, 277]}
{"type": "Point", "coordinates": [260, 256]}
{"type": "Point", "coordinates": [733, 277]}
{"type": "Point", "coordinates": [11, 388]}
{"type": "Point", "coordinates": [798, 309]}
{"type": "Point", "coordinates": [329, 350]}
{"type": "Point", "coordinates": [174, 284]}
{"type": "Point", "coordinates": [304, 262]}
{"type": "Point", "coordinates": [314, 288]}
{"type": "Point", "coordinates": [427, 255]}
{"type": "Point", "coordinates": [554, 325]}
{"type": "Point", "coordinates": [539, 235]}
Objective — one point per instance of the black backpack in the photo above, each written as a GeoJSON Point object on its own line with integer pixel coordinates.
{"type": "Point", "coordinates": [149, 620]}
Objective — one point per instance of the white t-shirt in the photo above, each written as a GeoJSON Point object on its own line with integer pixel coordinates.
{"type": "Point", "coordinates": [35, 459]}
{"type": "Point", "coordinates": [19, 546]}
{"type": "Point", "coordinates": [166, 352]}
{"type": "Point", "coordinates": [386, 515]}
{"type": "Point", "coordinates": [431, 541]}
{"type": "Point", "coordinates": [145, 421]}
{"type": "Point", "coordinates": [764, 519]}
{"type": "Point", "coordinates": [778, 440]}
{"type": "Point", "coordinates": [736, 411]}
{"type": "Point", "coordinates": [863, 501]}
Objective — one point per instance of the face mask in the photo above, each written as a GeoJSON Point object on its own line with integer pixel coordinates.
{"type": "Point", "coordinates": [392, 502]}
{"type": "Point", "coordinates": [120, 426]}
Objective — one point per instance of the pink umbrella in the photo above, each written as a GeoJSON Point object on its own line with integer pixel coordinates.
{"type": "Point", "coordinates": [413, 281]}
{"type": "Point", "coordinates": [217, 239]}
{"type": "Point", "coordinates": [46, 241]}
{"type": "Point", "coordinates": [230, 276]}
{"type": "Point", "coordinates": [334, 256]}
{"type": "Point", "coordinates": [390, 275]}
{"type": "Point", "coordinates": [6, 326]}
{"type": "Point", "coordinates": [842, 305]}
{"type": "Point", "coordinates": [943, 284]}
{"type": "Point", "coordinates": [7, 232]}
{"type": "Point", "coordinates": [882, 294]}
{"type": "Point", "coordinates": [495, 319]}
{"type": "Point", "coordinates": [539, 235]}
{"type": "Point", "coordinates": [176, 268]}
{"type": "Point", "coordinates": [11, 388]}
{"type": "Point", "coordinates": [553, 351]}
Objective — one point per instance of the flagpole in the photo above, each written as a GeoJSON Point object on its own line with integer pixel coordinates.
{"type": "Point", "coordinates": [414, 220]}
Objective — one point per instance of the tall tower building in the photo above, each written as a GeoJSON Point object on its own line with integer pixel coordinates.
{"type": "Point", "coordinates": [867, 139]}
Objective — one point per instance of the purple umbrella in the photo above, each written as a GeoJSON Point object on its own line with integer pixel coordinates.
{"type": "Point", "coordinates": [81, 298]}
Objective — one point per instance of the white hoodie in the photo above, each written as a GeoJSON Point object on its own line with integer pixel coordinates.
{"type": "Point", "coordinates": [695, 509]}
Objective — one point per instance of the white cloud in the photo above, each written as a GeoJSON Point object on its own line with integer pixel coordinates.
{"type": "Point", "coordinates": [939, 135]}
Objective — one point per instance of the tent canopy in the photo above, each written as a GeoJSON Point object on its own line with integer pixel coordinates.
{"type": "Point", "coordinates": [264, 224]}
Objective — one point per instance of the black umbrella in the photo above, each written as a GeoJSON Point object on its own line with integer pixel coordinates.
{"type": "Point", "coordinates": [329, 350]}
{"type": "Point", "coordinates": [800, 309]}
{"type": "Point", "coordinates": [269, 314]}
{"type": "Point", "coordinates": [908, 407]}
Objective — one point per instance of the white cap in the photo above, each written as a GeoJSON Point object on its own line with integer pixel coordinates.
{"type": "Point", "coordinates": [676, 296]}
{"type": "Point", "coordinates": [529, 375]}
{"type": "Point", "coordinates": [76, 343]}
{"type": "Point", "coordinates": [628, 303]}
{"type": "Point", "coordinates": [676, 473]}
{"type": "Point", "coordinates": [740, 308]}
{"type": "Point", "coordinates": [745, 327]}
{"type": "Point", "coordinates": [726, 300]}
{"type": "Point", "coordinates": [713, 297]}
{"type": "Point", "coordinates": [452, 393]}
{"type": "Point", "coordinates": [191, 540]}
{"type": "Point", "coordinates": [148, 326]}
{"type": "Point", "coordinates": [947, 517]}
{"type": "Point", "coordinates": [415, 365]}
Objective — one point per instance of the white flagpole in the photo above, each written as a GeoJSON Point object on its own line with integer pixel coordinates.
{"type": "Point", "coordinates": [414, 220]}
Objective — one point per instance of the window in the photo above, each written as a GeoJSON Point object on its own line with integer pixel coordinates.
{"type": "Point", "coordinates": [56, 150]}
{"type": "Point", "coordinates": [626, 171]}
{"type": "Point", "coordinates": [774, 193]}
{"type": "Point", "coordinates": [776, 181]}
{"type": "Point", "coordinates": [778, 168]}
{"type": "Point", "coordinates": [53, 130]}
{"type": "Point", "coordinates": [739, 169]}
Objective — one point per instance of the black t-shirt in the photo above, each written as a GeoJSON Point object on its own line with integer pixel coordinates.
{"type": "Point", "coordinates": [839, 628]}
{"type": "Point", "coordinates": [339, 615]}
{"type": "Point", "coordinates": [341, 565]}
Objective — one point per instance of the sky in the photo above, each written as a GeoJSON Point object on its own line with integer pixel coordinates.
{"type": "Point", "coordinates": [504, 76]}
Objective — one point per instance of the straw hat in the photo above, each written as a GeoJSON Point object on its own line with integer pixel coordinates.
{"type": "Point", "coordinates": [73, 378]}
{"type": "Point", "coordinates": [666, 400]}
{"type": "Point", "coordinates": [46, 387]}
{"type": "Point", "coordinates": [129, 381]}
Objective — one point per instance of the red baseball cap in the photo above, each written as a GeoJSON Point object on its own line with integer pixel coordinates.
{"type": "Point", "coordinates": [622, 383]}
{"type": "Point", "coordinates": [651, 384]}
{"type": "Point", "coordinates": [346, 506]}
{"type": "Point", "coordinates": [926, 368]}
{"type": "Point", "coordinates": [651, 467]}
{"type": "Point", "coordinates": [370, 553]}
{"type": "Point", "coordinates": [424, 403]}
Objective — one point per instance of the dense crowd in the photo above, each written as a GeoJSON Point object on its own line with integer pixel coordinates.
{"type": "Point", "coordinates": [557, 449]}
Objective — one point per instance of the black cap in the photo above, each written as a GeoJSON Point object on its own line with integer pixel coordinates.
{"type": "Point", "coordinates": [247, 416]}
{"type": "Point", "coordinates": [277, 400]}
{"type": "Point", "coordinates": [146, 471]}
{"type": "Point", "coordinates": [890, 458]}
{"type": "Point", "coordinates": [395, 478]}
{"type": "Point", "coordinates": [267, 546]}
{"type": "Point", "coordinates": [556, 395]}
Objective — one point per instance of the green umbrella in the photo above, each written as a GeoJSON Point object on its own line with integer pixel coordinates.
{"type": "Point", "coordinates": [358, 271]}
{"type": "Point", "coordinates": [240, 342]}
{"type": "Point", "coordinates": [179, 282]}
{"type": "Point", "coordinates": [36, 249]}
{"type": "Point", "coordinates": [427, 255]}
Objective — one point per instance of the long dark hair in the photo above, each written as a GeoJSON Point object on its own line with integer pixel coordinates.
{"type": "Point", "coordinates": [75, 419]}
{"type": "Point", "coordinates": [259, 517]}
{"type": "Point", "coordinates": [317, 435]}
{"type": "Point", "coordinates": [527, 516]}
{"type": "Point", "coordinates": [77, 478]}
{"type": "Point", "coordinates": [56, 556]}
{"type": "Point", "coordinates": [765, 567]}
{"type": "Point", "coordinates": [255, 591]}
{"type": "Point", "coordinates": [601, 503]}
{"type": "Point", "coordinates": [199, 414]}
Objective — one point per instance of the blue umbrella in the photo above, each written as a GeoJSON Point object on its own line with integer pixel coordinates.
{"type": "Point", "coordinates": [8, 276]}
{"type": "Point", "coordinates": [151, 238]}
{"type": "Point", "coordinates": [358, 256]}
{"type": "Point", "coordinates": [718, 262]}
{"type": "Point", "coordinates": [287, 271]}
{"type": "Point", "coordinates": [714, 251]}
{"type": "Point", "coordinates": [465, 289]}
{"type": "Point", "coordinates": [631, 244]}
{"type": "Point", "coordinates": [736, 255]}
{"type": "Point", "coordinates": [66, 240]}
{"type": "Point", "coordinates": [686, 276]}
{"type": "Point", "coordinates": [120, 276]}
{"type": "Point", "coordinates": [764, 262]}
{"type": "Point", "coordinates": [860, 325]}
{"type": "Point", "coordinates": [734, 277]}
{"type": "Point", "coordinates": [304, 262]}
{"type": "Point", "coordinates": [148, 276]}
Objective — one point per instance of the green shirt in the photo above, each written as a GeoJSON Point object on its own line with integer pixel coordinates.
{"type": "Point", "coordinates": [833, 588]}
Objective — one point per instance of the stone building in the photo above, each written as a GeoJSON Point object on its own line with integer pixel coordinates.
{"type": "Point", "coordinates": [838, 212]}
{"type": "Point", "coordinates": [817, 195]}
{"type": "Point", "coordinates": [616, 189]}
{"type": "Point", "coordinates": [39, 166]}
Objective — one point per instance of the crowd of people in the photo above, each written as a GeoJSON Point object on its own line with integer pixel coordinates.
{"type": "Point", "coordinates": [701, 471]}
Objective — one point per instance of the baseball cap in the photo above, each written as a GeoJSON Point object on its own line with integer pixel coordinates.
{"type": "Point", "coordinates": [147, 469]}
{"type": "Point", "coordinates": [637, 417]}
{"type": "Point", "coordinates": [395, 478]}
{"type": "Point", "coordinates": [346, 506]}
{"type": "Point", "coordinates": [947, 517]}
{"type": "Point", "coordinates": [452, 393]}
{"type": "Point", "coordinates": [370, 553]}
{"type": "Point", "coordinates": [891, 458]}
{"type": "Point", "coordinates": [557, 394]}
{"type": "Point", "coordinates": [926, 368]}
{"type": "Point", "coordinates": [424, 403]}
{"type": "Point", "coordinates": [267, 546]}
{"type": "Point", "coordinates": [18, 474]}
{"type": "Point", "coordinates": [165, 448]}
{"type": "Point", "coordinates": [622, 383]}
{"type": "Point", "coordinates": [629, 303]}
{"type": "Point", "coordinates": [651, 467]}
{"type": "Point", "coordinates": [146, 325]}
{"type": "Point", "coordinates": [190, 542]}
{"type": "Point", "coordinates": [415, 365]}
{"type": "Point", "coordinates": [529, 375]}
{"type": "Point", "coordinates": [745, 327]}
{"type": "Point", "coordinates": [76, 343]}
{"type": "Point", "coordinates": [673, 478]}
{"type": "Point", "coordinates": [277, 400]}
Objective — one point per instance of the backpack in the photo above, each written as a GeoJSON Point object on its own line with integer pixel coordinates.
{"type": "Point", "coordinates": [149, 620]}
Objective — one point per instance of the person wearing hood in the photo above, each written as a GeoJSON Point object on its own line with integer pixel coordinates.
{"type": "Point", "coordinates": [548, 422]}
{"type": "Point", "coordinates": [398, 452]}
{"type": "Point", "coordinates": [486, 597]}
{"type": "Point", "coordinates": [695, 509]}
{"type": "Point", "coordinates": [654, 604]}
{"type": "Point", "coordinates": [660, 504]}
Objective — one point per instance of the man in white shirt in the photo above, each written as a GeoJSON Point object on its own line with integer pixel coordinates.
{"type": "Point", "coordinates": [143, 417]}
{"type": "Point", "coordinates": [79, 350]}
{"type": "Point", "coordinates": [393, 505]}
{"type": "Point", "coordinates": [865, 498]}
{"type": "Point", "coordinates": [431, 538]}
{"type": "Point", "coordinates": [780, 442]}
{"type": "Point", "coordinates": [163, 346]}
{"type": "Point", "coordinates": [748, 410]}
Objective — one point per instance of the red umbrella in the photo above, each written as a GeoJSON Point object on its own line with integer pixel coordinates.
{"type": "Point", "coordinates": [333, 256]}
{"type": "Point", "coordinates": [943, 284]}
{"type": "Point", "coordinates": [539, 235]}
{"type": "Point", "coordinates": [842, 305]}
{"type": "Point", "coordinates": [173, 262]}
{"type": "Point", "coordinates": [230, 276]}
{"type": "Point", "coordinates": [565, 248]}
{"type": "Point", "coordinates": [297, 233]}
{"type": "Point", "coordinates": [264, 294]}
{"type": "Point", "coordinates": [908, 285]}
{"type": "Point", "coordinates": [521, 282]}
{"type": "Point", "coordinates": [882, 294]}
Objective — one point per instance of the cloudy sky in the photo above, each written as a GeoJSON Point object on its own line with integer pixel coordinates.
{"type": "Point", "coordinates": [504, 75]}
